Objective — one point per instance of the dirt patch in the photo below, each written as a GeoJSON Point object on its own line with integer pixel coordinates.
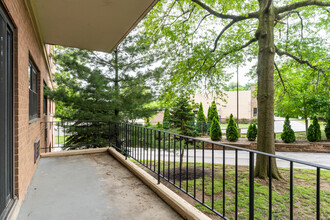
{"type": "Point", "coordinates": [190, 175]}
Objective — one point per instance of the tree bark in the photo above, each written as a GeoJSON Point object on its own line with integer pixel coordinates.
{"type": "Point", "coordinates": [306, 123]}
{"type": "Point", "coordinates": [265, 96]}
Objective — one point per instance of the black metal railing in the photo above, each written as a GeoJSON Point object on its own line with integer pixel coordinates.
{"type": "Point", "coordinates": [221, 178]}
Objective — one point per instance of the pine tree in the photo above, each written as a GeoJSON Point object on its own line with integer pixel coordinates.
{"type": "Point", "coordinates": [181, 112]}
{"type": "Point", "coordinates": [231, 131]}
{"type": "Point", "coordinates": [209, 114]}
{"type": "Point", "coordinates": [201, 120]}
{"type": "Point", "coordinates": [314, 131]}
{"type": "Point", "coordinates": [214, 111]}
{"type": "Point", "coordinates": [288, 135]}
{"type": "Point", "coordinates": [252, 132]}
{"type": "Point", "coordinates": [166, 119]}
{"type": "Point", "coordinates": [327, 129]}
{"type": "Point", "coordinates": [100, 86]}
{"type": "Point", "coordinates": [215, 131]}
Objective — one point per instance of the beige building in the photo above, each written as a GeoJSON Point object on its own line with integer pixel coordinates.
{"type": "Point", "coordinates": [227, 104]}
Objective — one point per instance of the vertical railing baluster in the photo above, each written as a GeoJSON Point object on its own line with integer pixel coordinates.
{"type": "Point", "coordinates": [236, 185]}
{"type": "Point", "coordinates": [147, 153]}
{"type": "Point", "coordinates": [169, 157]}
{"type": "Point", "coordinates": [291, 190]}
{"type": "Point", "coordinates": [194, 168]}
{"type": "Point", "coordinates": [155, 151]}
{"type": "Point", "coordinates": [187, 171]}
{"type": "Point", "coordinates": [224, 181]}
{"type": "Point", "coordinates": [126, 141]}
{"type": "Point", "coordinates": [203, 173]}
{"type": "Point", "coordinates": [159, 157]}
{"type": "Point", "coordinates": [212, 176]}
{"type": "Point", "coordinates": [270, 187]}
{"type": "Point", "coordinates": [64, 133]}
{"type": "Point", "coordinates": [174, 139]}
{"type": "Point", "coordinates": [181, 160]}
{"type": "Point", "coordinates": [58, 134]}
{"type": "Point", "coordinates": [251, 186]}
{"type": "Point", "coordinates": [318, 214]}
{"type": "Point", "coordinates": [164, 156]}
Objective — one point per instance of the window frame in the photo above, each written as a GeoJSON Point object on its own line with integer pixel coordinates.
{"type": "Point", "coordinates": [33, 74]}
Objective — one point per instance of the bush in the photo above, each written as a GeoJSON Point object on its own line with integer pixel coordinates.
{"type": "Point", "coordinates": [244, 121]}
{"type": "Point", "coordinates": [231, 131]}
{"type": "Point", "coordinates": [314, 131]}
{"type": "Point", "coordinates": [327, 129]}
{"type": "Point", "coordinates": [212, 112]}
{"type": "Point", "coordinates": [159, 126]}
{"type": "Point", "coordinates": [254, 121]}
{"type": "Point", "coordinates": [201, 120]}
{"type": "Point", "coordinates": [215, 131]}
{"type": "Point", "coordinates": [166, 119]}
{"type": "Point", "coordinates": [288, 135]}
{"type": "Point", "coordinates": [147, 123]}
{"type": "Point", "coordinates": [252, 132]}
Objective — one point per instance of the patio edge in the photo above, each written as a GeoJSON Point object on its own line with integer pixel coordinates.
{"type": "Point", "coordinates": [181, 206]}
{"type": "Point", "coordinates": [73, 152]}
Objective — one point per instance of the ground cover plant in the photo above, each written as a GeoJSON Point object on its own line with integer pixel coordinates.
{"type": "Point", "coordinates": [304, 190]}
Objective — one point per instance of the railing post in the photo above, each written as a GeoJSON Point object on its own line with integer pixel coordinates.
{"type": "Point", "coordinates": [158, 157]}
{"type": "Point", "coordinates": [126, 142]}
{"type": "Point", "coordinates": [251, 187]}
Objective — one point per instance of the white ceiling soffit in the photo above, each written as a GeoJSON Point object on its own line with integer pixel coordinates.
{"type": "Point", "coordinates": [87, 24]}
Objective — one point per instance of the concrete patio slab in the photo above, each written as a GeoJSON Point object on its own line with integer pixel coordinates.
{"type": "Point", "coordinates": [94, 186]}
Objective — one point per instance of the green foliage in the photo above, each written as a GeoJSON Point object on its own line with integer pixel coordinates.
{"type": "Point", "coordinates": [181, 112]}
{"type": "Point", "coordinates": [159, 126]}
{"type": "Point", "coordinates": [314, 131]}
{"type": "Point", "coordinates": [189, 131]}
{"type": "Point", "coordinates": [201, 125]}
{"type": "Point", "coordinates": [288, 135]}
{"type": "Point", "coordinates": [231, 131]}
{"type": "Point", "coordinates": [215, 130]}
{"type": "Point", "coordinates": [147, 123]}
{"type": "Point", "coordinates": [232, 86]}
{"type": "Point", "coordinates": [167, 119]}
{"type": "Point", "coordinates": [213, 112]}
{"type": "Point", "coordinates": [200, 113]}
{"type": "Point", "coordinates": [252, 132]}
{"type": "Point", "coordinates": [327, 129]}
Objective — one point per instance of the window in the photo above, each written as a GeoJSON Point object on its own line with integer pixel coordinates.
{"type": "Point", "coordinates": [255, 111]}
{"type": "Point", "coordinates": [45, 99]}
{"type": "Point", "coordinates": [33, 91]}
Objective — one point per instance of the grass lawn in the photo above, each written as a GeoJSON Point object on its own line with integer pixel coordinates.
{"type": "Point", "coordinates": [304, 192]}
{"type": "Point", "coordinates": [59, 139]}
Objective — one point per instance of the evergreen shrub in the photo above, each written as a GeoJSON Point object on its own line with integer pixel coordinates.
{"type": "Point", "coordinates": [327, 129]}
{"type": "Point", "coordinates": [252, 132]}
{"type": "Point", "coordinates": [314, 131]}
{"type": "Point", "coordinates": [288, 135]}
{"type": "Point", "coordinates": [215, 131]}
{"type": "Point", "coordinates": [231, 131]}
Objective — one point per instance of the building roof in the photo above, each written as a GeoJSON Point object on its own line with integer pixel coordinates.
{"type": "Point", "coordinates": [87, 24]}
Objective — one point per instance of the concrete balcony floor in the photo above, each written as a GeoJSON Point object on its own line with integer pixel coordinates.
{"type": "Point", "coordinates": [94, 186]}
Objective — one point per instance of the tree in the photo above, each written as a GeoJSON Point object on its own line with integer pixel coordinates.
{"type": "Point", "coordinates": [166, 119]}
{"type": "Point", "coordinates": [201, 120]}
{"type": "Point", "coordinates": [102, 86]}
{"type": "Point", "coordinates": [288, 135]}
{"type": "Point", "coordinates": [181, 112]}
{"type": "Point", "coordinates": [193, 61]}
{"type": "Point", "coordinates": [314, 131]}
{"type": "Point", "coordinates": [213, 112]}
{"type": "Point", "coordinates": [327, 129]}
{"type": "Point", "coordinates": [252, 132]}
{"type": "Point", "coordinates": [215, 131]}
{"type": "Point", "coordinates": [231, 131]}
{"type": "Point", "coordinates": [209, 114]}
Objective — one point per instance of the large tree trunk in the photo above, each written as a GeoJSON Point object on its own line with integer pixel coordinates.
{"type": "Point", "coordinates": [265, 95]}
{"type": "Point", "coordinates": [306, 124]}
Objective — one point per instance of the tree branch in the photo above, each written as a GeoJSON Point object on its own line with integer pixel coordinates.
{"type": "Point", "coordinates": [304, 3]}
{"type": "Point", "coordinates": [268, 6]}
{"type": "Point", "coordinates": [301, 61]}
{"type": "Point", "coordinates": [220, 34]}
{"type": "Point", "coordinates": [200, 23]}
{"type": "Point", "coordinates": [279, 74]}
{"type": "Point", "coordinates": [224, 16]}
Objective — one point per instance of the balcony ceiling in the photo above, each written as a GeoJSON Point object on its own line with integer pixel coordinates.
{"type": "Point", "coordinates": [87, 24]}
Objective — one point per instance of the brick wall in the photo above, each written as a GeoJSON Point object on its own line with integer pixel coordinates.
{"type": "Point", "coordinates": [26, 45]}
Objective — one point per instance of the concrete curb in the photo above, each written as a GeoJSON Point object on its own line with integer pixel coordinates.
{"type": "Point", "coordinates": [185, 209]}
{"type": "Point", "coordinates": [74, 152]}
